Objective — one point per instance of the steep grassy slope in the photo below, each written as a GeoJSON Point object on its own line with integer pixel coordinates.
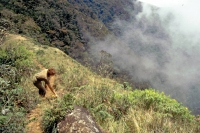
{"type": "Point", "coordinates": [115, 107]}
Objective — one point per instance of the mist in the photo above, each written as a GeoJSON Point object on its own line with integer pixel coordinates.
{"type": "Point", "coordinates": [160, 45]}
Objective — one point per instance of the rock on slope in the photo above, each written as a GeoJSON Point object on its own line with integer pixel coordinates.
{"type": "Point", "coordinates": [79, 121]}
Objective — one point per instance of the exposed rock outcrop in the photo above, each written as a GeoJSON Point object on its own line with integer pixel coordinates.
{"type": "Point", "coordinates": [79, 121]}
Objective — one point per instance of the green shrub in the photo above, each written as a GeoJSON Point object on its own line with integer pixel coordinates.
{"type": "Point", "coordinates": [12, 121]}
{"type": "Point", "coordinates": [8, 84]}
{"type": "Point", "coordinates": [104, 103]}
{"type": "Point", "coordinates": [159, 102]}
{"type": "Point", "coordinates": [18, 57]}
{"type": "Point", "coordinates": [101, 113]}
{"type": "Point", "coordinates": [54, 115]}
{"type": "Point", "coordinates": [15, 64]}
{"type": "Point", "coordinates": [120, 105]}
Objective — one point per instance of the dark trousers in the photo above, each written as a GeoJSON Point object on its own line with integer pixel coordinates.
{"type": "Point", "coordinates": [42, 89]}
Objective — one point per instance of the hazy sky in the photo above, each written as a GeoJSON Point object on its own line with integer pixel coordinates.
{"type": "Point", "coordinates": [185, 11]}
{"type": "Point", "coordinates": [160, 45]}
{"type": "Point", "coordinates": [166, 3]}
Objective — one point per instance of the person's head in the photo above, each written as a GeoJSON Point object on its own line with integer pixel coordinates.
{"type": "Point", "coordinates": [51, 72]}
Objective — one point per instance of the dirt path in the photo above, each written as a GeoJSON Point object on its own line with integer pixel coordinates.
{"type": "Point", "coordinates": [35, 115]}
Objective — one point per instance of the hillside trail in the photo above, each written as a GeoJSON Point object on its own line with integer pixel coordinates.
{"type": "Point", "coordinates": [34, 117]}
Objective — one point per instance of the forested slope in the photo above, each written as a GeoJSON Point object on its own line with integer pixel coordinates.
{"type": "Point", "coordinates": [63, 22]}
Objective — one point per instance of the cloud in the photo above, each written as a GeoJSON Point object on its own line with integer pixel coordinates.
{"type": "Point", "coordinates": [165, 3]}
{"type": "Point", "coordinates": [160, 45]}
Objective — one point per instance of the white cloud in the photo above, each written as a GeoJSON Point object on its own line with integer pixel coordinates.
{"type": "Point", "coordinates": [160, 45]}
{"type": "Point", "coordinates": [186, 12]}
{"type": "Point", "coordinates": [165, 3]}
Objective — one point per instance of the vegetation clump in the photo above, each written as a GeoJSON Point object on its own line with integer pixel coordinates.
{"type": "Point", "coordinates": [15, 99]}
{"type": "Point", "coordinates": [54, 115]}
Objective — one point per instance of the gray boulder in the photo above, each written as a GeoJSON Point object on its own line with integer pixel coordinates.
{"type": "Point", "coordinates": [79, 121]}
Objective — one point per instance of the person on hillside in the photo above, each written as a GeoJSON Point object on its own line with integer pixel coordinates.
{"type": "Point", "coordinates": [45, 76]}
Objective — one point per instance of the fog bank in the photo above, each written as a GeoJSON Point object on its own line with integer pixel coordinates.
{"type": "Point", "coordinates": [160, 45]}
